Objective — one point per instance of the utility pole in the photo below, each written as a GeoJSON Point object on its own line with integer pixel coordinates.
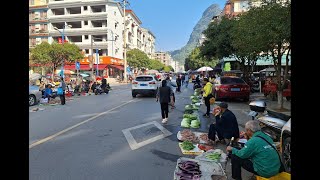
{"type": "Point", "coordinates": [92, 57]}
{"type": "Point", "coordinates": [124, 42]}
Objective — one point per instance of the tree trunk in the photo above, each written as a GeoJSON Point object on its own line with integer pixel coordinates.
{"type": "Point", "coordinates": [52, 74]}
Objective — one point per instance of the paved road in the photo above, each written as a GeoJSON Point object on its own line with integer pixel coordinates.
{"type": "Point", "coordinates": [87, 138]}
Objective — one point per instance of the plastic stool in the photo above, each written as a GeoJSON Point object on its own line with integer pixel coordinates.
{"type": "Point", "coordinates": [280, 176]}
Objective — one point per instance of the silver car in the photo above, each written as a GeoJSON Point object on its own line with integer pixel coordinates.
{"type": "Point", "coordinates": [34, 95]}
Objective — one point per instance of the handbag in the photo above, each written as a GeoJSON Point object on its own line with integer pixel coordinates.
{"type": "Point", "coordinates": [282, 169]}
{"type": "Point", "coordinates": [59, 91]}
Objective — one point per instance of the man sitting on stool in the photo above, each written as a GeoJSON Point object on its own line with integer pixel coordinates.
{"type": "Point", "coordinates": [226, 125]}
{"type": "Point", "coordinates": [257, 156]}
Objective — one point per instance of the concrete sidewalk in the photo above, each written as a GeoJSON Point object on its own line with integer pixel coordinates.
{"type": "Point", "coordinates": [272, 105]}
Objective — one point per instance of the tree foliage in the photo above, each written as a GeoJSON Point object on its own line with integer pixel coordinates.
{"type": "Point", "coordinates": [155, 64]}
{"type": "Point", "coordinates": [137, 59]}
{"type": "Point", "coordinates": [195, 60]}
{"type": "Point", "coordinates": [55, 54]}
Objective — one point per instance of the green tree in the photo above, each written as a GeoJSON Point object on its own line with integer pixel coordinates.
{"type": "Point", "coordinates": [56, 54]}
{"type": "Point", "coordinates": [137, 59]}
{"type": "Point", "coordinates": [155, 64]}
{"type": "Point", "coordinates": [167, 69]}
{"type": "Point", "coordinates": [195, 60]}
{"type": "Point", "coordinates": [274, 27]}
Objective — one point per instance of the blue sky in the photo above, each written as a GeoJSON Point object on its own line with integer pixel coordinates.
{"type": "Point", "coordinates": [171, 21]}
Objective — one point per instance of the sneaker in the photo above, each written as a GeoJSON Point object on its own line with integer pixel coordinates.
{"type": "Point", "coordinates": [164, 120]}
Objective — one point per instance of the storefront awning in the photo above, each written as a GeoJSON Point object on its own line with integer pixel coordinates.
{"type": "Point", "coordinates": [85, 67]}
{"type": "Point", "coordinates": [117, 67]}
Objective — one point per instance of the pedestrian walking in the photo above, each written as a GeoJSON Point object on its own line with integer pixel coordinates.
{"type": "Point", "coordinates": [165, 95]}
{"type": "Point", "coordinates": [187, 80]}
{"type": "Point", "coordinates": [182, 79]}
{"type": "Point", "coordinates": [63, 95]}
{"type": "Point", "coordinates": [178, 80]}
{"type": "Point", "coordinates": [171, 86]}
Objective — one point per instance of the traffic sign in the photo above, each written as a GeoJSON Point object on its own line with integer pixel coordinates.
{"type": "Point", "coordinates": [77, 65]}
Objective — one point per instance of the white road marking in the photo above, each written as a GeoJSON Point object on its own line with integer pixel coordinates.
{"type": "Point", "coordinates": [133, 143]}
{"type": "Point", "coordinates": [74, 126]}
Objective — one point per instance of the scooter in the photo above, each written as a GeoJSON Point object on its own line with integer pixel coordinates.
{"type": "Point", "coordinates": [271, 122]}
{"type": "Point", "coordinates": [100, 90]}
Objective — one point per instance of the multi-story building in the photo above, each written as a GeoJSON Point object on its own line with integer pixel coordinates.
{"type": "Point", "coordinates": [138, 37]}
{"type": "Point", "coordinates": [38, 22]}
{"type": "Point", "coordinates": [93, 25]}
{"type": "Point", "coordinates": [163, 57]}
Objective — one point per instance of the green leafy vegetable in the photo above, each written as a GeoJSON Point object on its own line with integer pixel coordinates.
{"type": "Point", "coordinates": [187, 145]}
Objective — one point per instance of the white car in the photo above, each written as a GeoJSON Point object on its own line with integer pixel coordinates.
{"type": "Point", "coordinates": [145, 84]}
{"type": "Point", "coordinates": [34, 95]}
{"type": "Point", "coordinates": [285, 145]}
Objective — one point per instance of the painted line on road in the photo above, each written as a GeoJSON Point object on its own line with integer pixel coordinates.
{"type": "Point", "coordinates": [74, 126]}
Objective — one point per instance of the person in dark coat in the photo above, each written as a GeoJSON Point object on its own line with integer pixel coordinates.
{"type": "Point", "coordinates": [178, 84]}
{"type": "Point", "coordinates": [165, 95]}
{"type": "Point", "coordinates": [226, 125]}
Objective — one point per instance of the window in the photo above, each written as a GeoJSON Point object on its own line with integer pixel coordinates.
{"type": "Point", "coordinates": [85, 22]}
{"type": "Point", "coordinates": [85, 8]}
{"type": "Point", "coordinates": [115, 25]}
{"type": "Point", "coordinates": [87, 51]}
{"type": "Point", "coordinates": [86, 37]}
{"type": "Point", "coordinates": [144, 78]}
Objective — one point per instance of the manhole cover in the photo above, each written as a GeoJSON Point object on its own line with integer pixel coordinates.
{"type": "Point", "coordinates": [145, 132]}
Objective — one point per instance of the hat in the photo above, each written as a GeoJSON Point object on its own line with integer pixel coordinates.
{"type": "Point", "coordinates": [223, 105]}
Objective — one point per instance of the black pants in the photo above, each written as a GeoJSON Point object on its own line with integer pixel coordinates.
{"type": "Point", "coordinates": [237, 163]}
{"type": "Point", "coordinates": [164, 110]}
{"type": "Point", "coordinates": [213, 129]}
{"type": "Point", "coordinates": [63, 99]}
{"type": "Point", "coordinates": [207, 103]}
{"type": "Point", "coordinates": [178, 88]}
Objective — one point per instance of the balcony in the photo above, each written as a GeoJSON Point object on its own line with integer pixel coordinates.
{"type": "Point", "coordinates": [81, 31]}
{"type": "Point", "coordinates": [38, 20]}
{"type": "Point", "coordinates": [78, 17]}
{"type": "Point", "coordinates": [41, 32]}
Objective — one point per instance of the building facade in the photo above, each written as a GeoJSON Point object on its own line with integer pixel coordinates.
{"type": "Point", "coordinates": [38, 22]}
{"type": "Point", "coordinates": [138, 37]}
{"type": "Point", "coordinates": [95, 26]}
{"type": "Point", "coordinates": [163, 57]}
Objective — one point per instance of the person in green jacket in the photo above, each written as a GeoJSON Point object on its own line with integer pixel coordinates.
{"type": "Point", "coordinates": [257, 156]}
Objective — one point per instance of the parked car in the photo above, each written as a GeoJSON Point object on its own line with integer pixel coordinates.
{"type": "Point", "coordinates": [285, 145]}
{"type": "Point", "coordinates": [145, 84]}
{"type": "Point", "coordinates": [231, 87]}
{"type": "Point", "coordinates": [34, 95]}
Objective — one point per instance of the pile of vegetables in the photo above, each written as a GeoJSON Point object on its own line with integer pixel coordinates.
{"type": "Point", "coordinates": [196, 93]}
{"type": "Point", "coordinates": [195, 124]}
{"type": "Point", "coordinates": [189, 170]}
{"type": "Point", "coordinates": [187, 145]}
{"type": "Point", "coordinates": [185, 123]}
{"type": "Point", "coordinates": [198, 90]}
{"type": "Point", "coordinates": [214, 156]}
{"type": "Point", "coordinates": [188, 111]}
{"type": "Point", "coordinates": [188, 135]}
{"type": "Point", "coordinates": [190, 116]}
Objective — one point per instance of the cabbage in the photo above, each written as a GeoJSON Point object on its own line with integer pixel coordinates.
{"type": "Point", "coordinates": [188, 120]}
{"type": "Point", "coordinates": [185, 123]}
{"type": "Point", "coordinates": [195, 124]}
{"type": "Point", "coordinates": [195, 107]}
{"type": "Point", "coordinates": [193, 97]}
{"type": "Point", "coordinates": [190, 116]}
{"type": "Point", "coordinates": [196, 93]}
{"type": "Point", "coordinates": [198, 90]}
{"type": "Point", "coordinates": [195, 101]}
{"type": "Point", "coordinates": [188, 107]}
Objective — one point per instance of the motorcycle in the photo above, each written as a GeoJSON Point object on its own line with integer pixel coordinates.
{"type": "Point", "coordinates": [99, 89]}
{"type": "Point", "coordinates": [271, 122]}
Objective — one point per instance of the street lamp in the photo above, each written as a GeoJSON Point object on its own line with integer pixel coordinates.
{"type": "Point", "coordinates": [62, 35]}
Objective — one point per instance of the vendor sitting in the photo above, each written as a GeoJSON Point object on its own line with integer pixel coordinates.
{"type": "Point", "coordinates": [257, 156]}
{"type": "Point", "coordinates": [226, 125]}
{"type": "Point", "coordinates": [48, 92]}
